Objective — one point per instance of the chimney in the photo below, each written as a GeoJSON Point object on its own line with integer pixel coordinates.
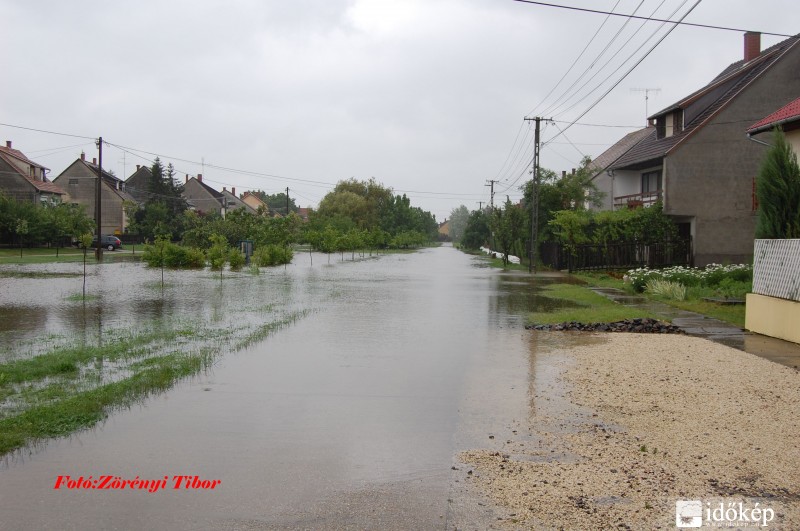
{"type": "Point", "coordinates": [224, 188]}
{"type": "Point", "coordinates": [8, 144]}
{"type": "Point", "coordinates": [233, 190]}
{"type": "Point", "coordinates": [752, 45]}
{"type": "Point", "coordinates": [94, 161]}
{"type": "Point", "coordinates": [563, 174]}
{"type": "Point", "coordinates": [200, 177]}
{"type": "Point", "coordinates": [137, 167]}
{"type": "Point", "coordinates": [186, 178]}
{"type": "Point", "coordinates": [83, 155]}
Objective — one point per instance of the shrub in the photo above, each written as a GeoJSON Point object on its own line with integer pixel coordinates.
{"type": "Point", "coordinates": [271, 255]}
{"type": "Point", "coordinates": [236, 259]}
{"type": "Point", "coordinates": [666, 288]}
{"type": "Point", "coordinates": [711, 276]}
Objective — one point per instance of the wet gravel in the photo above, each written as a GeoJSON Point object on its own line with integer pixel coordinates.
{"type": "Point", "coordinates": [638, 325]}
{"type": "Point", "coordinates": [652, 420]}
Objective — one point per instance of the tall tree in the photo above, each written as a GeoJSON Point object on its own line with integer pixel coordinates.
{"type": "Point", "coordinates": [458, 222]}
{"type": "Point", "coordinates": [778, 192]}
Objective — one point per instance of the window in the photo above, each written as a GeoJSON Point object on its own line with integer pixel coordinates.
{"type": "Point", "coordinates": [651, 181]}
{"type": "Point", "coordinates": [73, 182]}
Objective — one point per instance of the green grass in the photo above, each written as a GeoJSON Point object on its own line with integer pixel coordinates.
{"type": "Point", "coordinates": [85, 409]}
{"type": "Point", "coordinates": [694, 302]}
{"type": "Point", "coordinates": [60, 390]}
{"type": "Point", "coordinates": [591, 307]}
{"type": "Point", "coordinates": [41, 255]}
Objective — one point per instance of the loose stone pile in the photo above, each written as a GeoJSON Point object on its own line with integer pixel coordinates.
{"type": "Point", "coordinates": [642, 326]}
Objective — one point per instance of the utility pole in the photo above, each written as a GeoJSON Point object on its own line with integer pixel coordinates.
{"type": "Point", "coordinates": [534, 196]}
{"type": "Point", "coordinates": [480, 205]}
{"type": "Point", "coordinates": [287, 201]}
{"type": "Point", "coordinates": [98, 253]}
{"type": "Point", "coordinates": [491, 188]}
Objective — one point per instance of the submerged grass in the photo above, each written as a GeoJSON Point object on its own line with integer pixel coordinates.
{"type": "Point", "coordinates": [61, 391]}
{"type": "Point", "coordinates": [591, 307]}
{"type": "Point", "coordinates": [85, 409]}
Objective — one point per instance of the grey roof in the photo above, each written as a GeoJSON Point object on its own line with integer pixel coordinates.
{"type": "Point", "coordinates": [729, 83]}
{"type": "Point", "coordinates": [606, 158]}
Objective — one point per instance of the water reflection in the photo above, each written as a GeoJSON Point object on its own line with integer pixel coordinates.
{"type": "Point", "coordinates": [364, 397]}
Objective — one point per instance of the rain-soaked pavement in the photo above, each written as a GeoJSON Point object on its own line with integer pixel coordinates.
{"type": "Point", "coordinates": [349, 418]}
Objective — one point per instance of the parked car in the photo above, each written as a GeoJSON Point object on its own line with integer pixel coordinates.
{"type": "Point", "coordinates": [108, 241]}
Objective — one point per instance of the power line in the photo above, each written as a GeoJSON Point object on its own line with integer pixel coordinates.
{"type": "Point", "coordinates": [630, 56]}
{"type": "Point", "coordinates": [637, 63]}
{"type": "Point", "coordinates": [650, 19]}
{"type": "Point", "coordinates": [49, 132]}
{"type": "Point", "coordinates": [596, 33]}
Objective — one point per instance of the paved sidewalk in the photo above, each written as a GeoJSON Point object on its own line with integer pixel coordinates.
{"type": "Point", "coordinates": [695, 324]}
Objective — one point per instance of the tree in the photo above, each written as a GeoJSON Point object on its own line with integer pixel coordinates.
{"type": "Point", "coordinates": [778, 192]}
{"type": "Point", "coordinates": [458, 222]}
{"type": "Point", "coordinates": [477, 231]}
{"type": "Point", "coordinates": [569, 192]}
{"type": "Point", "coordinates": [507, 224]}
{"type": "Point", "coordinates": [277, 202]}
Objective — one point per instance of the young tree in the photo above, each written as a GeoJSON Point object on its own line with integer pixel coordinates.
{"type": "Point", "coordinates": [778, 192]}
{"type": "Point", "coordinates": [477, 231]}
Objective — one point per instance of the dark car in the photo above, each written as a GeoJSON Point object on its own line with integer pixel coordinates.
{"type": "Point", "coordinates": [108, 241]}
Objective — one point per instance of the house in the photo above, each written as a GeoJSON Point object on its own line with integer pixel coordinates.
{"type": "Point", "coordinates": [25, 180]}
{"type": "Point", "coordinates": [255, 202]}
{"type": "Point", "coordinates": [787, 118]}
{"type": "Point", "coordinates": [138, 184]}
{"type": "Point", "coordinates": [697, 159]}
{"type": "Point", "coordinates": [603, 178]}
{"type": "Point", "coordinates": [201, 197]}
{"type": "Point", "coordinates": [304, 212]}
{"type": "Point", "coordinates": [80, 182]}
{"type": "Point", "coordinates": [230, 202]}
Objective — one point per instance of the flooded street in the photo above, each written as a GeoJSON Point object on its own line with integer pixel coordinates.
{"type": "Point", "coordinates": [348, 416]}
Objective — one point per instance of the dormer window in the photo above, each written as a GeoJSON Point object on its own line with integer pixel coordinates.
{"type": "Point", "coordinates": [669, 124]}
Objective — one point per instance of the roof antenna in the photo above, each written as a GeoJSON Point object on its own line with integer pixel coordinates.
{"type": "Point", "coordinates": [647, 92]}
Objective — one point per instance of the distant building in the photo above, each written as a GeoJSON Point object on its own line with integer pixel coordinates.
{"type": "Point", "coordinates": [80, 182]}
{"type": "Point", "coordinates": [25, 180]}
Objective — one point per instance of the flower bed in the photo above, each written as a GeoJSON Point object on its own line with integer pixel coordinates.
{"type": "Point", "coordinates": [726, 279]}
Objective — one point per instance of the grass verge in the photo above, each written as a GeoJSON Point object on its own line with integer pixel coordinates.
{"type": "Point", "coordinates": [589, 307]}
{"type": "Point", "coordinates": [694, 302]}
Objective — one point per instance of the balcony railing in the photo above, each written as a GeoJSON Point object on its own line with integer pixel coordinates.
{"type": "Point", "coordinates": [637, 200]}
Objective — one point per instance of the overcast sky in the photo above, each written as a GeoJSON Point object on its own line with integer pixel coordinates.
{"type": "Point", "coordinates": [427, 96]}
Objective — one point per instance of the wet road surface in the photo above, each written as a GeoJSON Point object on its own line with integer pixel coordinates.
{"type": "Point", "coordinates": [349, 418]}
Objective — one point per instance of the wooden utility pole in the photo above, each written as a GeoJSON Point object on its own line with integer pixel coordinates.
{"type": "Point", "coordinates": [534, 197]}
{"type": "Point", "coordinates": [480, 205]}
{"type": "Point", "coordinates": [491, 189]}
{"type": "Point", "coordinates": [287, 201]}
{"type": "Point", "coordinates": [98, 253]}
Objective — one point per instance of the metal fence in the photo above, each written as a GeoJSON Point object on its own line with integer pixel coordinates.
{"type": "Point", "coordinates": [590, 257]}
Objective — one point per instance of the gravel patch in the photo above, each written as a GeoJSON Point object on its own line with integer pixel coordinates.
{"type": "Point", "coordinates": [638, 325]}
{"type": "Point", "coordinates": [654, 419]}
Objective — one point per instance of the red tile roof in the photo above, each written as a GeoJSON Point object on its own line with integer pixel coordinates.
{"type": "Point", "coordinates": [788, 113]}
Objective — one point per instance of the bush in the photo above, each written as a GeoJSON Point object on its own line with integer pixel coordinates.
{"type": "Point", "coordinates": [236, 259]}
{"type": "Point", "coordinates": [271, 255]}
{"type": "Point", "coordinates": [711, 276]}
{"type": "Point", "coordinates": [168, 254]}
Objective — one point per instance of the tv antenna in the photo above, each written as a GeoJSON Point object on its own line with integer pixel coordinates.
{"type": "Point", "coordinates": [647, 92]}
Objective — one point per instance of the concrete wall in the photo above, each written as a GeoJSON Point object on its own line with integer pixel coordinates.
{"type": "Point", "coordinates": [773, 309]}
{"type": "Point", "coordinates": [710, 176]}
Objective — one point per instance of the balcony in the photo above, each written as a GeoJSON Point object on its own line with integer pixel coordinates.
{"type": "Point", "coordinates": [637, 200]}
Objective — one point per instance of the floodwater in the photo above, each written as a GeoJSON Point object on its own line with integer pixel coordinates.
{"type": "Point", "coordinates": [349, 418]}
